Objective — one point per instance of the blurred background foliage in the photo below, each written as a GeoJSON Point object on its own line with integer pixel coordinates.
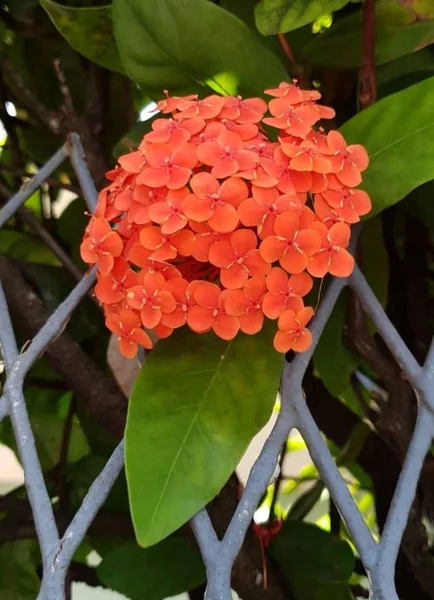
{"type": "Point", "coordinates": [97, 69]}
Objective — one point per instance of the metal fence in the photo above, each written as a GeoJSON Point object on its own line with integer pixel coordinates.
{"type": "Point", "coordinates": [379, 558]}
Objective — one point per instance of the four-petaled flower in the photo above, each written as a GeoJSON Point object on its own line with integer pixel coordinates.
{"type": "Point", "coordinates": [332, 257]}
{"type": "Point", "coordinates": [293, 333]}
{"type": "Point", "coordinates": [101, 246]}
{"type": "Point", "coordinates": [210, 312]}
{"type": "Point", "coordinates": [238, 259]}
{"type": "Point", "coordinates": [127, 327]}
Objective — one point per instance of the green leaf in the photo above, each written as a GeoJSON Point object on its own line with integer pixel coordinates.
{"type": "Point", "coordinates": [398, 133]}
{"type": "Point", "coordinates": [404, 71]}
{"type": "Point", "coordinates": [333, 359]}
{"type": "Point", "coordinates": [18, 577]}
{"type": "Point", "coordinates": [397, 34]}
{"type": "Point", "coordinates": [192, 45]}
{"type": "Point", "coordinates": [312, 553]}
{"type": "Point", "coordinates": [48, 429]}
{"type": "Point", "coordinates": [195, 406]}
{"type": "Point", "coordinates": [281, 16]}
{"type": "Point", "coordinates": [22, 247]}
{"type": "Point", "coordinates": [88, 30]}
{"type": "Point", "coordinates": [169, 568]}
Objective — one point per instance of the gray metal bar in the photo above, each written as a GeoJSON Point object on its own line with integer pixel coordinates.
{"type": "Point", "coordinates": [29, 188]}
{"type": "Point", "coordinates": [78, 161]}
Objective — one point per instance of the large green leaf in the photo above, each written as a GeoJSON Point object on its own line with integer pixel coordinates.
{"type": "Point", "coordinates": [192, 45]}
{"type": "Point", "coordinates": [88, 30]}
{"type": "Point", "coordinates": [315, 564]}
{"type": "Point", "coordinates": [397, 34]}
{"type": "Point", "coordinates": [18, 576]}
{"type": "Point", "coordinates": [281, 16]}
{"type": "Point", "coordinates": [398, 133]}
{"type": "Point", "coordinates": [195, 406]}
{"type": "Point", "coordinates": [169, 568]}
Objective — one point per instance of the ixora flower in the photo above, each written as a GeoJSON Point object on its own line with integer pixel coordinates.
{"type": "Point", "coordinates": [212, 225]}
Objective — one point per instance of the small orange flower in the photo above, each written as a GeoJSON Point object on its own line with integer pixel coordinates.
{"type": "Point", "coordinates": [295, 120]}
{"type": "Point", "coordinates": [182, 292]}
{"type": "Point", "coordinates": [101, 246]}
{"type": "Point", "coordinates": [293, 334]}
{"type": "Point", "coordinates": [226, 155]}
{"type": "Point", "coordinates": [214, 203]}
{"type": "Point", "coordinates": [210, 313]}
{"type": "Point", "coordinates": [347, 161]}
{"type": "Point", "coordinates": [243, 111]}
{"type": "Point", "coordinates": [127, 326]}
{"type": "Point", "coordinates": [246, 304]}
{"type": "Point", "coordinates": [285, 292]}
{"type": "Point", "coordinates": [264, 207]}
{"type": "Point", "coordinates": [169, 166]}
{"type": "Point", "coordinates": [112, 288]}
{"type": "Point", "coordinates": [293, 93]}
{"type": "Point", "coordinates": [174, 132]}
{"type": "Point", "coordinates": [238, 259]}
{"type": "Point", "coordinates": [170, 213]}
{"type": "Point", "coordinates": [150, 298]}
{"type": "Point", "coordinates": [332, 257]}
{"type": "Point", "coordinates": [292, 243]}
{"type": "Point", "coordinates": [192, 107]}
{"type": "Point", "coordinates": [348, 203]}
{"type": "Point", "coordinates": [289, 181]}
{"type": "Point", "coordinates": [166, 247]}
{"type": "Point", "coordinates": [306, 156]}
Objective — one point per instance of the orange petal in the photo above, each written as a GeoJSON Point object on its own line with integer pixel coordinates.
{"type": "Point", "coordinates": [273, 305]}
{"type": "Point", "coordinates": [198, 209]}
{"type": "Point", "coordinates": [203, 184]}
{"type": "Point", "coordinates": [309, 241]}
{"type": "Point", "coordinates": [256, 265]}
{"type": "Point", "coordinates": [339, 234]}
{"type": "Point", "coordinates": [293, 261]}
{"type": "Point", "coordinates": [221, 254]}
{"type": "Point", "coordinates": [271, 249]}
{"type": "Point", "coordinates": [127, 348]}
{"type": "Point", "coordinates": [234, 191]}
{"type": "Point", "coordinates": [288, 321]}
{"type": "Point", "coordinates": [300, 284]}
{"type": "Point", "coordinates": [226, 327]}
{"type": "Point", "coordinates": [200, 319]}
{"type": "Point", "coordinates": [207, 295]}
{"type": "Point", "coordinates": [233, 277]}
{"type": "Point", "coordinates": [150, 316]}
{"type": "Point", "coordinates": [183, 241]}
{"type": "Point", "coordinates": [341, 264]}
{"type": "Point", "coordinates": [142, 338]}
{"type": "Point", "coordinates": [225, 218]}
{"type": "Point", "coordinates": [151, 237]}
{"type": "Point", "coordinates": [318, 265]}
{"type": "Point", "coordinates": [236, 303]}
{"type": "Point", "coordinates": [304, 315]}
{"type": "Point", "coordinates": [243, 241]}
{"type": "Point", "coordinates": [255, 288]}
{"type": "Point", "coordinates": [105, 264]}
{"type": "Point", "coordinates": [251, 213]}
{"type": "Point", "coordinates": [286, 225]}
{"type": "Point", "coordinates": [277, 281]}
{"type": "Point", "coordinates": [251, 323]}
{"type": "Point", "coordinates": [303, 341]}
{"type": "Point", "coordinates": [283, 341]}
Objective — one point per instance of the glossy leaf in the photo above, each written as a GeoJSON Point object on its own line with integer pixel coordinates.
{"type": "Point", "coordinates": [192, 45]}
{"type": "Point", "coordinates": [195, 406]}
{"type": "Point", "coordinates": [405, 71]}
{"type": "Point", "coordinates": [281, 16]}
{"type": "Point", "coordinates": [88, 30]}
{"type": "Point", "coordinates": [312, 553]}
{"type": "Point", "coordinates": [397, 33]}
{"type": "Point", "coordinates": [18, 575]}
{"type": "Point", "coordinates": [169, 568]}
{"type": "Point", "coordinates": [398, 135]}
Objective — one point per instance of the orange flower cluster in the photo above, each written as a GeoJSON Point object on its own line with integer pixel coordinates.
{"type": "Point", "coordinates": [211, 224]}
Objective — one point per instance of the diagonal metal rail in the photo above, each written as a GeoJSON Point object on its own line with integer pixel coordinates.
{"type": "Point", "coordinates": [379, 558]}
